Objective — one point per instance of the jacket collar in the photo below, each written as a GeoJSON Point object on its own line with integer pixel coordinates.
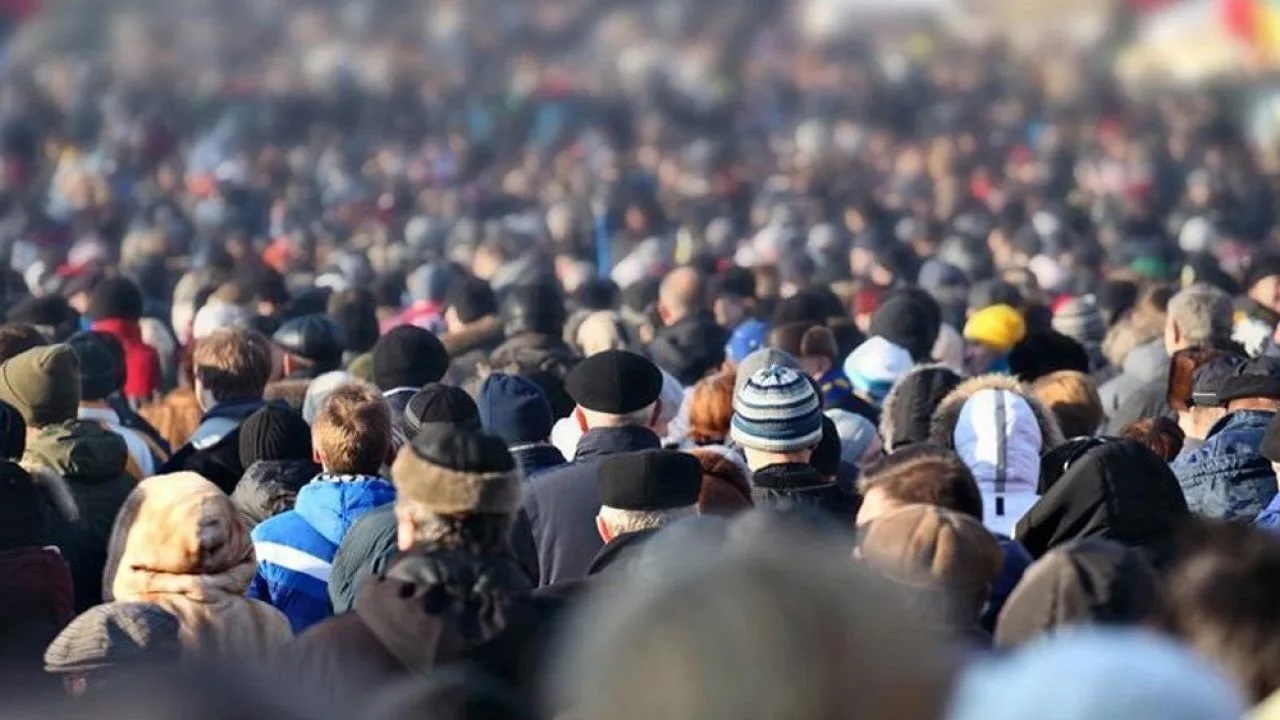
{"type": "Point", "coordinates": [621, 550]}
{"type": "Point", "coordinates": [599, 442]}
{"type": "Point", "coordinates": [235, 409]}
{"type": "Point", "coordinates": [1242, 419]}
{"type": "Point", "coordinates": [789, 476]}
{"type": "Point", "coordinates": [125, 329]}
{"type": "Point", "coordinates": [537, 456]}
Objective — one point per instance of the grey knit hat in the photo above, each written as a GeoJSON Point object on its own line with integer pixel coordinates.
{"type": "Point", "coordinates": [117, 634]}
{"type": "Point", "coordinates": [1081, 320]}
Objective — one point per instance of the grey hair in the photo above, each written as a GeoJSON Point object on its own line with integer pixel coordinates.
{"type": "Point", "coordinates": [640, 418]}
{"type": "Point", "coordinates": [1202, 313]}
{"type": "Point", "coordinates": [621, 522]}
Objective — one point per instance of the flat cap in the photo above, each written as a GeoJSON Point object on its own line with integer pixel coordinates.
{"type": "Point", "coordinates": [926, 547]}
{"type": "Point", "coordinates": [1256, 378]}
{"type": "Point", "coordinates": [114, 635]}
{"type": "Point", "coordinates": [437, 403]}
{"type": "Point", "coordinates": [649, 480]}
{"type": "Point", "coordinates": [452, 470]}
{"type": "Point", "coordinates": [616, 382]}
{"type": "Point", "coordinates": [313, 337]}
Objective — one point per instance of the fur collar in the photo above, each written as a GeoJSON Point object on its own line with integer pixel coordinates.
{"type": "Point", "coordinates": [948, 414]}
{"type": "Point", "coordinates": [55, 488]}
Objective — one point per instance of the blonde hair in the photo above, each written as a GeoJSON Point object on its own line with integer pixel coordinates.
{"type": "Point", "coordinates": [233, 364]}
{"type": "Point", "coordinates": [352, 431]}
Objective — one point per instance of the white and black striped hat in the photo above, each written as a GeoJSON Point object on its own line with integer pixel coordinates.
{"type": "Point", "coordinates": [777, 410]}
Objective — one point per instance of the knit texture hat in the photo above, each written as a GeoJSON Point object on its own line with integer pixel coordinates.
{"type": "Point", "coordinates": [759, 360]}
{"type": "Point", "coordinates": [274, 432]}
{"type": "Point", "coordinates": [43, 384]}
{"type": "Point", "coordinates": [515, 409]}
{"type": "Point", "coordinates": [101, 365]}
{"type": "Point", "coordinates": [116, 297]}
{"type": "Point", "coordinates": [438, 403]}
{"type": "Point", "coordinates": [910, 319]}
{"type": "Point", "coordinates": [119, 634]}
{"type": "Point", "coordinates": [408, 356]}
{"type": "Point", "coordinates": [998, 328]}
{"type": "Point", "coordinates": [876, 365]}
{"type": "Point", "coordinates": [454, 471]}
{"type": "Point", "coordinates": [1081, 319]}
{"type": "Point", "coordinates": [929, 548]}
{"type": "Point", "coordinates": [777, 411]}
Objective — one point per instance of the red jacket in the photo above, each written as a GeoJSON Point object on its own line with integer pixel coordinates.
{"type": "Point", "coordinates": [142, 362]}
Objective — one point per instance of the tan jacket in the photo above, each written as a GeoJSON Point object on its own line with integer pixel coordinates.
{"type": "Point", "coordinates": [175, 416]}
{"type": "Point", "coordinates": [179, 544]}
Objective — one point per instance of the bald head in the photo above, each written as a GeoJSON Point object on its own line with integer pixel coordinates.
{"type": "Point", "coordinates": [680, 295]}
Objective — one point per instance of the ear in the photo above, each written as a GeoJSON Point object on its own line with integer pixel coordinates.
{"type": "Point", "coordinates": [287, 364]}
{"type": "Point", "coordinates": [581, 418]}
{"type": "Point", "coordinates": [316, 457]}
{"type": "Point", "coordinates": [603, 529]}
{"type": "Point", "coordinates": [663, 313]}
{"type": "Point", "coordinates": [657, 413]}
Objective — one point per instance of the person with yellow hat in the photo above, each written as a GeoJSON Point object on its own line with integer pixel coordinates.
{"type": "Point", "coordinates": [990, 335]}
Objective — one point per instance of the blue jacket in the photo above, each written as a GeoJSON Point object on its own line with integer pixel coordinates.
{"type": "Point", "coordinates": [1269, 518]}
{"type": "Point", "coordinates": [1228, 478]}
{"type": "Point", "coordinates": [295, 549]}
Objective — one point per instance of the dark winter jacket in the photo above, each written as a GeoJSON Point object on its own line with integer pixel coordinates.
{"type": "Point", "coordinates": [214, 450]}
{"type": "Point", "coordinates": [92, 462]}
{"type": "Point", "coordinates": [1149, 401]}
{"type": "Point", "coordinates": [1147, 365]}
{"type": "Point", "coordinates": [536, 459]}
{"type": "Point", "coordinates": [560, 506]}
{"type": "Point", "coordinates": [615, 560]}
{"type": "Point", "coordinates": [432, 608]}
{"type": "Point", "coordinates": [690, 349]}
{"type": "Point", "coordinates": [36, 602]}
{"type": "Point", "coordinates": [837, 394]}
{"type": "Point", "coordinates": [1016, 562]}
{"type": "Point", "coordinates": [1087, 582]}
{"type": "Point", "coordinates": [366, 551]}
{"type": "Point", "coordinates": [1228, 478]}
{"type": "Point", "coordinates": [295, 549]}
{"type": "Point", "coordinates": [470, 347]}
{"type": "Point", "coordinates": [791, 486]}
{"type": "Point", "coordinates": [1120, 491]}
{"type": "Point", "coordinates": [270, 487]}
{"type": "Point", "coordinates": [909, 406]}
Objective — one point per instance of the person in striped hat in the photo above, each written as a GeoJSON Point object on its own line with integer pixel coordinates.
{"type": "Point", "coordinates": [777, 421]}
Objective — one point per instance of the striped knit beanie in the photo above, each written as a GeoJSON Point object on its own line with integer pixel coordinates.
{"type": "Point", "coordinates": [1081, 319]}
{"type": "Point", "coordinates": [777, 411]}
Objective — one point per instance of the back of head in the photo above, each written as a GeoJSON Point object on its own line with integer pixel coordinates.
{"type": "Point", "coordinates": [116, 298]}
{"type": "Point", "coordinates": [43, 384]}
{"type": "Point", "coordinates": [711, 409]}
{"type": "Point", "coordinates": [681, 293]}
{"type": "Point", "coordinates": [538, 308]}
{"type": "Point", "coordinates": [920, 475]}
{"type": "Point", "coordinates": [274, 433]}
{"type": "Point", "coordinates": [437, 403]}
{"type": "Point", "coordinates": [777, 411]}
{"type": "Point", "coordinates": [102, 364]}
{"type": "Point", "coordinates": [1047, 352]}
{"type": "Point", "coordinates": [910, 318]}
{"type": "Point", "coordinates": [726, 484]}
{"type": "Point", "coordinates": [233, 364]}
{"type": "Point", "coordinates": [515, 409]}
{"type": "Point", "coordinates": [1160, 434]}
{"type": "Point", "coordinates": [356, 311]}
{"type": "Point", "coordinates": [1202, 314]}
{"type": "Point", "coordinates": [114, 639]}
{"type": "Point", "coordinates": [352, 431]}
{"type": "Point", "coordinates": [1072, 397]}
{"type": "Point", "coordinates": [408, 357]}
{"type": "Point", "coordinates": [472, 299]}
{"type": "Point", "coordinates": [910, 405]}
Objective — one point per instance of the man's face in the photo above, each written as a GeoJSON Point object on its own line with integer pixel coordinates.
{"type": "Point", "coordinates": [978, 358]}
{"type": "Point", "coordinates": [1266, 292]}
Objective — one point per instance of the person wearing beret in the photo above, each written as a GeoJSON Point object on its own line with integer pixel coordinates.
{"type": "Point", "coordinates": [617, 396]}
{"type": "Point", "coordinates": [641, 493]}
{"type": "Point", "coordinates": [1228, 477]}
{"type": "Point", "coordinates": [454, 593]}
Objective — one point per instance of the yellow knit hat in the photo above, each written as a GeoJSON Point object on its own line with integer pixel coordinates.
{"type": "Point", "coordinates": [998, 328]}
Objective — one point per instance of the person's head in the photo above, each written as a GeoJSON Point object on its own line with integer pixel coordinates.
{"type": "Point", "coordinates": [647, 490]}
{"type": "Point", "coordinates": [1160, 434]}
{"type": "Point", "coordinates": [777, 418]}
{"type": "Point", "coordinates": [1262, 281]}
{"type": "Point", "coordinates": [733, 297]}
{"type": "Point", "coordinates": [1252, 385]}
{"type": "Point", "coordinates": [455, 488]}
{"type": "Point", "coordinates": [947, 560]}
{"type": "Point", "coordinates": [600, 331]}
{"type": "Point", "coordinates": [352, 432]}
{"type": "Point", "coordinates": [615, 388]}
{"type": "Point", "coordinates": [1197, 316]}
{"type": "Point", "coordinates": [440, 403]}
{"type": "Point", "coordinates": [726, 483]}
{"type": "Point", "coordinates": [813, 345]}
{"type": "Point", "coordinates": [43, 384]}
{"type": "Point", "coordinates": [309, 345]}
{"type": "Point", "coordinates": [356, 311]}
{"type": "Point", "coordinates": [19, 337]}
{"type": "Point", "coordinates": [102, 364]}
{"type": "Point", "coordinates": [231, 365]}
{"type": "Point", "coordinates": [112, 640]}
{"type": "Point", "coordinates": [909, 318]}
{"type": "Point", "coordinates": [274, 432]}
{"type": "Point", "coordinates": [408, 357]}
{"type": "Point", "coordinates": [1073, 399]}
{"type": "Point", "coordinates": [515, 409]}
{"type": "Point", "coordinates": [1221, 601]}
{"type": "Point", "coordinates": [991, 334]}
{"type": "Point", "coordinates": [51, 315]}
{"type": "Point", "coordinates": [711, 410]}
{"type": "Point", "coordinates": [918, 475]}
{"type": "Point", "coordinates": [874, 366]}
{"type": "Point", "coordinates": [537, 308]}
{"type": "Point", "coordinates": [470, 300]}
{"type": "Point", "coordinates": [680, 295]}
{"type": "Point", "coordinates": [1195, 377]}
{"type": "Point", "coordinates": [116, 298]}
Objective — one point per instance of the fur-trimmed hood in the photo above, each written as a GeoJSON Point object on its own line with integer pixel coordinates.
{"type": "Point", "coordinates": [947, 416]}
{"type": "Point", "coordinates": [909, 407]}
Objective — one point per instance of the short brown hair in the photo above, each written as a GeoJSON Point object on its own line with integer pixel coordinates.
{"type": "Point", "coordinates": [711, 409]}
{"type": "Point", "coordinates": [233, 364]}
{"type": "Point", "coordinates": [1160, 434]}
{"type": "Point", "coordinates": [1073, 399]}
{"type": "Point", "coordinates": [352, 431]}
{"type": "Point", "coordinates": [926, 475]}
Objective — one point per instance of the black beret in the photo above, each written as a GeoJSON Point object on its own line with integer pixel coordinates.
{"type": "Point", "coordinates": [313, 337]}
{"type": "Point", "coordinates": [616, 382]}
{"type": "Point", "coordinates": [438, 403]}
{"type": "Point", "coordinates": [462, 450]}
{"type": "Point", "coordinates": [649, 480]}
{"type": "Point", "coordinates": [1040, 354]}
{"type": "Point", "coordinates": [1257, 378]}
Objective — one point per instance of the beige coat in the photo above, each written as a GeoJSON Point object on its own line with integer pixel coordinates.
{"type": "Point", "coordinates": [179, 544]}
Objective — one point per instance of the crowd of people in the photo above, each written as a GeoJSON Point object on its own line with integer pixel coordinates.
{"type": "Point", "coordinates": [543, 359]}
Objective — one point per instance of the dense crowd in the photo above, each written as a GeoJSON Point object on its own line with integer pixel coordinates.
{"type": "Point", "coordinates": [541, 359]}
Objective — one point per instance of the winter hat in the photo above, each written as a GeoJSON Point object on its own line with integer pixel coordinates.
{"type": "Point", "coordinates": [436, 403]}
{"type": "Point", "coordinates": [649, 480]}
{"type": "Point", "coordinates": [998, 328]}
{"type": "Point", "coordinates": [1081, 319]}
{"type": "Point", "coordinates": [998, 437]}
{"type": "Point", "coordinates": [116, 297]}
{"type": "Point", "coordinates": [930, 548]}
{"type": "Point", "coordinates": [515, 409]}
{"type": "Point", "coordinates": [217, 315]}
{"type": "Point", "coordinates": [408, 357]}
{"type": "Point", "coordinates": [1044, 353]}
{"type": "Point", "coordinates": [319, 390]}
{"type": "Point", "coordinates": [777, 410]}
{"type": "Point", "coordinates": [910, 405]}
{"type": "Point", "coordinates": [876, 365]}
{"type": "Point", "coordinates": [1257, 378]}
{"type": "Point", "coordinates": [759, 360]}
{"type": "Point", "coordinates": [43, 384]}
{"type": "Point", "coordinates": [1096, 673]}
{"type": "Point", "coordinates": [856, 435]}
{"type": "Point", "coordinates": [101, 365]}
{"type": "Point", "coordinates": [910, 319]}
{"type": "Point", "coordinates": [274, 432]}
{"type": "Point", "coordinates": [315, 337]}
{"type": "Point", "coordinates": [115, 635]}
{"type": "Point", "coordinates": [451, 470]}
{"type": "Point", "coordinates": [747, 338]}
{"type": "Point", "coordinates": [616, 382]}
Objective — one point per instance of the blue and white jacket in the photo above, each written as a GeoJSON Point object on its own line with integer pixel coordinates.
{"type": "Point", "coordinates": [295, 549]}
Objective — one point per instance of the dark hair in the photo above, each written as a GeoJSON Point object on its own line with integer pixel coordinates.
{"type": "Point", "coordinates": [356, 311]}
{"type": "Point", "coordinates": [1160, 434]}
{"type": "Point", "coordinates": [17, 338]}
{"type": "Point", "coordinates": [926, 475]}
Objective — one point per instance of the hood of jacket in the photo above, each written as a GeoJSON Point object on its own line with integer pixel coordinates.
{"type": "Point", "coordinates": [178, 535]}
{"type": "Point", "coordinates": [910, 405]}
{"type": "Point", "coordinates": [689, 349]}
{"type": "Point", "coordinates": [1120, 491]}
{"type": "Point", "coordinates": [485, 333]}
{"type": "Point", "coordinates": [435, 606]}
{"type": "Point", "coordinates": [270, 487]}
{"type": "Point", "coordinates": [80, 452]}
{"type": "Point", "coordinates": [331, 504]}
{"type": "Point", "coordinates": [1088, 582]}
{"type": "Point", "coordinates": [947, 416]}
{"type": "Point", "coordinates": [1148, 362]}
{"type": "Point", "coordinates": [1227, 477]}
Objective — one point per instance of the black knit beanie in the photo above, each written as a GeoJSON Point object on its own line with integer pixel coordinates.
{"type": "Point", "coordinates": [116, 297]}
{"type": "Point", "coordinates": [408, 356]}
{"type": "Point", "coordinates": [274, 432]}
